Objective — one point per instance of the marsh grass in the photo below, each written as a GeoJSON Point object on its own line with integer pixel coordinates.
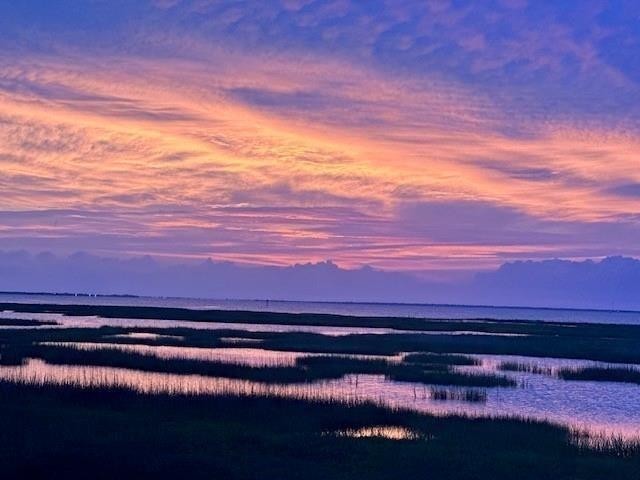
{"type": "Point", "coordinates": [616, 345]}
{"type": "Point", "coordinates": [404, 372]}
{"type": "Point", "coordinates": [465, 395]}
{"type": "Point", "coordinates": [80, 430]}
{"type": "Point", "coordinates": [112, 432]}
{"type": "Point", "coordinates": [601, 374]}
{"type": "Point", "coordinates": [480, 325]}
{"type": "Point", "coordinates": [608, 444]}
{"type": "Point", "coordinates": [19, 322]}
{"type": "Point", "coordinates": [438, 377]}
{"type": "Point", "coordinates": [380, 431]}
{"type": "Point", "coordinates": [441, 359]}
{"type": "Point", "coordinates": [306, 368]}
{"type": "Point", "coordinates": [11, 357]}
{"type": "Point", "coordinates": [115, 358]}
{"type": "Point", "coordinates": [525, 368]}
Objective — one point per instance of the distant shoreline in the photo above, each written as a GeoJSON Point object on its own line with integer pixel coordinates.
{"type": "Point", "coordinates": [155, 312]}
{"type": "Point", "coordinates": [320, 302]}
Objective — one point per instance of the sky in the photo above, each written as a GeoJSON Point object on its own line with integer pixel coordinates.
{"type": "Point", "coordinates": [434, 138]}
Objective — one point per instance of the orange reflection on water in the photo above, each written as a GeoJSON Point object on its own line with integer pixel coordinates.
{"type": "Point", "coordinates": [384, 431]}
{"type": "Point", "coordinates": [146, 336]}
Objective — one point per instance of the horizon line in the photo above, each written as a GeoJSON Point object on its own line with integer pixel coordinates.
{"type": "Point", "coordinates": [449, 305]}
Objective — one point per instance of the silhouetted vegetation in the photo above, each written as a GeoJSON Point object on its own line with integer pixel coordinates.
{"type": "Point", "coordinates": [109, 432]}
{"type": "Point", "coordinates": [441, 359]}
{"type": "Point", "coordinates": [11, 356]}
{"type": "Point", "coordinates": [403, 372]}
{"type": "Point", "coordinates": [601, 374]}
{"type": "Point", "coordinates": [465, 395]}
{"type": "Point", "coordinates": [525, 368]}
{"type": "Point", "coordinates": [106, 433]}
{"type": "Point", "coordinates": [306, 369]}
{"type": "Point", "coordinates": [610, 348]}
{"type": "Point", "coordinates": [436, 377]}
{"type": "Point", "coordinates": [111, 357]}
{"type": "Point", "coordinates": [20, 322]}
{"type": "Point", "coordinates": [609, 444]}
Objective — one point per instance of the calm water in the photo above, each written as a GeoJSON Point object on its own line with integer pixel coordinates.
{"type": "Point", "coordinates": [357, 309]}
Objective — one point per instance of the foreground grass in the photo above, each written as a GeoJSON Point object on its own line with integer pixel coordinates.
{"type": "Point", "coordinates": [114, 433]}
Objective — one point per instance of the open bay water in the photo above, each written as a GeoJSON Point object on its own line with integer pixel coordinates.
{"type": "Point", "coordinates": [401, 310]}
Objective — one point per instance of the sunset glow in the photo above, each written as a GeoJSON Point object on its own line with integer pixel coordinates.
{"type": "Point", "coordinates": [210, 139]}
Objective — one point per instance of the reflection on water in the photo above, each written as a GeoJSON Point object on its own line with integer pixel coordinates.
{"type": "Point", "coordinates": [238, 356]}
{"type": "Point", "coordinates": [239, 340]}
{"type": "Point", "coordinates": [593, 406]}
{"type": "Point", "coordinates": [391, 433]}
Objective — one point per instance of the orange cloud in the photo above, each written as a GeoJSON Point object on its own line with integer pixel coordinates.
{"type": "Point", "coordinates": [277, 160]}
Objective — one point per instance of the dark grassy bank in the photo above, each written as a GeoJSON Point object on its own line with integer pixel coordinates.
{"type": "Point", "coordinates": [439, 377]}
{"type": "Point", "coordinates": [614, 350]}
{"type": "Point", "coordinates": [524, 367]}
{"type": "Point", "coordinates": [59, 432]}
{"type": "Point", "coordinates": [18, 322]}
{"type": "Point", "coordinates": [441, 359]}
{"type": "Point", "coordinates": [601, 374]}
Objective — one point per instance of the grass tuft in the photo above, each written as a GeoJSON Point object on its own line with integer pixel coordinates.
{"type": "Point", "coordinates": [601, 374]}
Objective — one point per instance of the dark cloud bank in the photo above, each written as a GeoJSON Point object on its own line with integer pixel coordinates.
{"type": "Point", "coordinates": [613, 283]}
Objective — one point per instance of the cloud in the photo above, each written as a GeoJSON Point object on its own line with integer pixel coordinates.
{"type": "Point", "coordinates": [625, 190]}
{"type": "Point", "coordinates": [519, 170]}
{"type": "Point", "coordinates": [610, 283]}
{"type": "Point", "coordinates": [406, 135]}
{"type": "Point", "coordinates": [228, 176]}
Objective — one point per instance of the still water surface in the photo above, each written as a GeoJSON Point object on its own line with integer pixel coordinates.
{"type": "Point", "coordinates": [339, 308]}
